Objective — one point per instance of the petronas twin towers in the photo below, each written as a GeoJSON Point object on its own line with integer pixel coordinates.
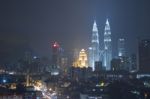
{"type": "Point", "coordinates": [95, 53]}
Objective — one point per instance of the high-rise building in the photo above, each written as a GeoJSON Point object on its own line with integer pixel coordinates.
{"type": "Point", "coordinates": [94, 49]}
{"type": "Point", "coordinates": [116, 64]}
{"type": "Point", "coordinates": [121, 47]}
{"type": "Point", "coordinates": [144, 55]}
{"type": "Point", "coordinates": [82, 60]}
{"type": "Point", "coordinates": [63, 65]}
{"type": "Point", "coordinates": [107, 57]}
{"type": "Point", "coordinates": [55, 55]}
{"type": "Point", "coordinates": [125, 61]}
{"type": "Point", "coordinates": [133, 63]}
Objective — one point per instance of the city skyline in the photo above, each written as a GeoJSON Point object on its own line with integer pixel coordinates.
{"type": "Point", "coordinates": [36, 27]}
{"type": "Point", "coordinates": [75, 49]}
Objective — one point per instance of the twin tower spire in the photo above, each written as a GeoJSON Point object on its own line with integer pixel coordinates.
{"type": "Point", "coordinates": [97, 55]}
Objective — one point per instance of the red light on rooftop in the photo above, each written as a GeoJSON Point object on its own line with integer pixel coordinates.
{"type": "Point", "coordinates": [55, 44]}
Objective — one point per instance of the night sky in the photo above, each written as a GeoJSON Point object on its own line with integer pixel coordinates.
{"type": "Point", "coordinates": [35, 24]}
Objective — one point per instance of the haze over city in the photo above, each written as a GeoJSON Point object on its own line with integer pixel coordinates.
{"type": "Point", "coordinates": [36, 24]}
{"type": "Point", "coordinates": [74, 49]}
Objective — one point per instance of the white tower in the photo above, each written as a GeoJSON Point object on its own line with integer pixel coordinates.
{"type": "Point", "coordinates": [94, 49]}
{"type": "Point", "coordinates": [107, 47]}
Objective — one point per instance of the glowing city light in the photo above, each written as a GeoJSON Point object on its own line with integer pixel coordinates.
{"type": "Point", "coordinates": [55, 44]}
{"type": "Point", "coordinates": [4, 80]}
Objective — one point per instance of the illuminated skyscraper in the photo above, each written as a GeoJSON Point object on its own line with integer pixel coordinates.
{"type": "Point", "coordinates": [55, 55]}
{"type": "Point", "coordinates": [121, 47]}
{"type": "Point", "coordinates": [94, 49]}
{"type": "Point", "coordinates": [122, 55]}
{"type": "Point", "coordinates": [83, 58]}
{"type": "Point", "coordinates": [107, 47]}
{"type": "Point", "coordinates": [81, 62]}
